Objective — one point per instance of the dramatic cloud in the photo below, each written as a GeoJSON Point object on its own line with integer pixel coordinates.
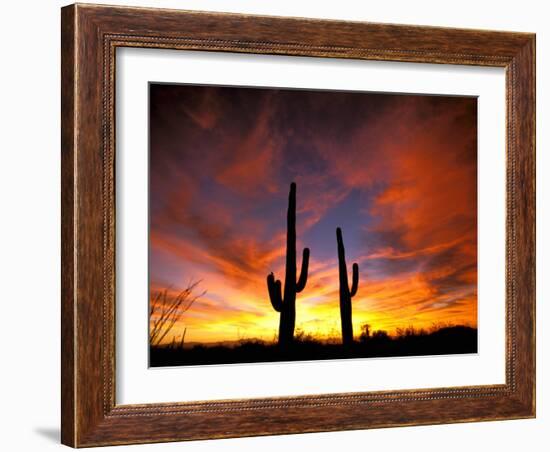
{"type": "Point", "coordinates": [398, 173]}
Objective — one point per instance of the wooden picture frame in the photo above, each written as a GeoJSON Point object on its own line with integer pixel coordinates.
{"type": "Point", "coordinates": [90, 36]}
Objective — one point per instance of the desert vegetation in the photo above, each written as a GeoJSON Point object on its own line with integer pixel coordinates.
{"type": "Point", "coordinates": [167, 308]}
{"type": "Point", "coordinates": [346, 293]}
{"type": "Point", "coordinates": [407, 341]}
{"type": "Point", "coordinates": [286, 304]}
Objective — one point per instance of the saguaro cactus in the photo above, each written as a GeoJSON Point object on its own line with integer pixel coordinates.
{"type": "Point", "coordinates": [286, 304]}
{"type": "Point", "coordinates": [346, 294]}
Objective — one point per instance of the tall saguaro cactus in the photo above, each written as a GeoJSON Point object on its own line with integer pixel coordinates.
{"type": "Point", "coordinates": [286, 304]}
{"type": "Point", "coordinates": [346, 294]}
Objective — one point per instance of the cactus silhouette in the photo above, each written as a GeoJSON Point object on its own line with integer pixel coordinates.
{"type": "Point", "coordinates": [346, 294]}
{"type": "Point", "coordinates": [286, 305]}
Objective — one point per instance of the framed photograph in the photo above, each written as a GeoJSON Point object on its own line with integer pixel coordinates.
{"type": "Point", "coordinates": [281, 225]}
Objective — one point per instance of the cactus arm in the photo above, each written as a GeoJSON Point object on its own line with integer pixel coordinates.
{"type": "Point", "coordinates": [355, 280]}
{"type": "Point", "coordinates": [274, 288]}
{"type": "Point", "coordinates": [301, 284]}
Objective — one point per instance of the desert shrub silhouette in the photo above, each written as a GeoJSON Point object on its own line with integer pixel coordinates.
{"type": "Point", "coordinates": [165, 309]}
{"type": "Point", "coordinates": [447, 340]}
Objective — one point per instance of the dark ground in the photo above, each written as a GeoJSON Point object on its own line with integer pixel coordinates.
{"type": "Point", "coordinates": [444, 341]}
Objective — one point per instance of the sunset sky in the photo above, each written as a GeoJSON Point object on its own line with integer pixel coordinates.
{"type": "Point", "coordinates": [398, 174]}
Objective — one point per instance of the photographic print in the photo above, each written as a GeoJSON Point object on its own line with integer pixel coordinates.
{"type": "Point", "coordinates": [297, 225]}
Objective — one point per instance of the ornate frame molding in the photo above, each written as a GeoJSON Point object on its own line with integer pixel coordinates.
{"type": "Point", "coordinates": [90, 37]}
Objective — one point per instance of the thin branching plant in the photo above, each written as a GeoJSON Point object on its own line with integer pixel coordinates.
{"type": "Point", "coordinates": [166, 309]}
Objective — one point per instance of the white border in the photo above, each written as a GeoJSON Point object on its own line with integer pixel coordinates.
{"type": "Point", "coordinates": [135, 383]}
